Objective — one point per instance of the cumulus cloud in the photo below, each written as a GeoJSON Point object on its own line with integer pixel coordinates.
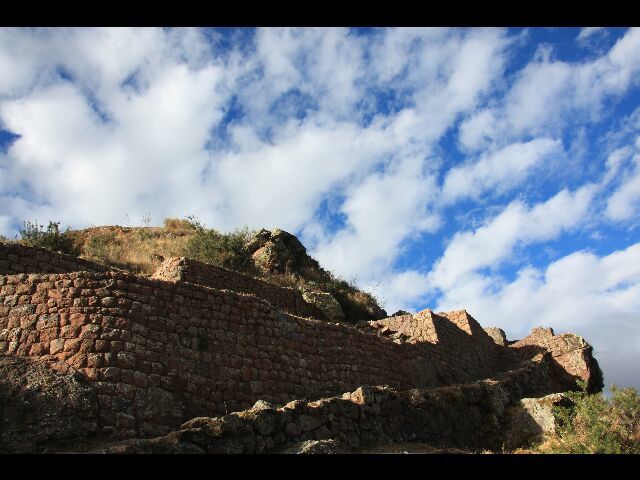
{"type": "Point", "coordinates": [497, 171]}
{"type": "Point", "coordinates": [370, 145]}
{"type": "Point", "coordinates": [624, 202]}
{"type": "Point", "coordinates": [548, 94]}
{"type": "Point", "coordinates": [594, 295]}
{"type": "Point", "coordinates": [381, 211]}
{"type": "Point", "coordinates": [494, 242]}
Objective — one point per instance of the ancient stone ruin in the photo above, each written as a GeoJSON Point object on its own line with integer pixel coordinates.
{"type": "Point", "coordinates": [198, 358]}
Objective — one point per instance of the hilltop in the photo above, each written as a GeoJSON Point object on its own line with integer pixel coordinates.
{"type": "Point", "coordinates": [274, 256]}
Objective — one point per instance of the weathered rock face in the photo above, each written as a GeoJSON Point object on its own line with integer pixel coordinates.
{"type": "Point", "coordinates": [41, 408]}
{"type": "Point", "coordinates": [468, 416]}
{"type": "Point", "coordinates": [188, 270]}
{"type": "Point", "coordinates": [281, 252]}
{"type": "Point", "coordinates": [15, 258]}
{"type": "Point", "coordinates": [530, 418]}
{"type": "Point", "coordinates": [497, 334]}
{"type": "Point", "coordinates": [324, 302]}
{"type": "Point", "coordinates": [277, 251]}
{"type": "Point", "coordinates": [573, 355]}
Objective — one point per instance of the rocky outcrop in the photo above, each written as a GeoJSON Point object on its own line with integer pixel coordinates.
{"type": "Point", "coordinates": [41, 408]}
{"type": "Point", "coordinates": [325, 302]}
{"type": "Point", "coordinates": [498, 335]}
{"type": "Point", "coordinates": [277, 251]}
{"type": "Point", "coordinates": [529, 419]}
{"type": "Point", "coordinates": [572, 354]}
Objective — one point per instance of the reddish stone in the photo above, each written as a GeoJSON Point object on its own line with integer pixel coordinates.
{"type": "Point", "coordinates": [72, 345]}
{"type": "Point", "coordinates": [56, 346]}
{"type": "Point", "coordinates": [91, 373]}
{"type": "Point", "coordinates": [94, 360]}
{"type": "Point", "coordinates": [78, 361]}
{"type": "Point", "coordinates": [38, 349]}
{"type": "Point", "coordinates": [77, 319]}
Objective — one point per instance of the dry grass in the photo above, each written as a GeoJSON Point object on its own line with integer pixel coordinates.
{"type": "Point", "coordinates": [137, 249]}
{"type": "Point", "coordinates": [177, 225]}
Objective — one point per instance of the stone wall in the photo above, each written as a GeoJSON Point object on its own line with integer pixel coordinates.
{"type": "Point", "coordinates": [470, 416]}
{"type": "Point", "coordinates": [16, 258]}
{"type": "Point", "coordinates": [161, 352]}
{"type": "Point", "coordinates": [192, 271]}
{"type": "Point", "coordinates": [453, 333]}
{"type": "Point", "coordinates": [570, 352]}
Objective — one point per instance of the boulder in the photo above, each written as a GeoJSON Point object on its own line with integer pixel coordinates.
{"type": "Point", "coordinates": [531, 418]}
{"type": "Point", "coordinates": [317, 446]}
{"type": "Point", "coordinates": [41, 408]}
{"type": "Point", "coordinates": [498, 335]}
{"type": "Point", "coordinates": [325, 302]}
{"type": "Point", "coordinates": [277, 251]}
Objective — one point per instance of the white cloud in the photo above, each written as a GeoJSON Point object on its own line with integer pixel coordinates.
{"type": "Point", "coordinates": [598, 297]}
{"type": "Point", "coordinates": [499, 171]}
{"type": "Point", "coordinates": [281, 184]}
{"type": "Point", "coordinates": [623, 204]}
{"type": "Point", "coordinates": [74, 160]}
{"type": "Point", "coordinates": [588, 32]}
{"type": "Point", "coordinates": [494, 242]}
{"type": "Point", "coordinates": [548, 94]}
{"type": "Point", "coordinates": [381, 211]}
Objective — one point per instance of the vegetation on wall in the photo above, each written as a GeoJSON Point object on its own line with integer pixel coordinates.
{"type": "Point", "coordinates": [33, 234]}
{"type": "Point", "coordinates": [228, 250]}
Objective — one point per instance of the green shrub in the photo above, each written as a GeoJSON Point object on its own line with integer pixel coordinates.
{"type": "Point", "coordinates": [99, 246]}
{"type": "Point", "coordinates": [227, 250]}
{"type": "Point", "coordinates": [34, 235]}
{"type": "Point", "coordinates": [595, 424]}
{"type": "Point", "coordinates": [144, 234]}
{"type": "Point", "coordinates": [177, 224]}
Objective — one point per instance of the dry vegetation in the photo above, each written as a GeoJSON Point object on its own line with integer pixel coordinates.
{"type": "Point", "coordinates": [137, 249]}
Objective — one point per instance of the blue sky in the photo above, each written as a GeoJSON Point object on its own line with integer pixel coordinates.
{"type": "Point", "coordinates": [496, 170]}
